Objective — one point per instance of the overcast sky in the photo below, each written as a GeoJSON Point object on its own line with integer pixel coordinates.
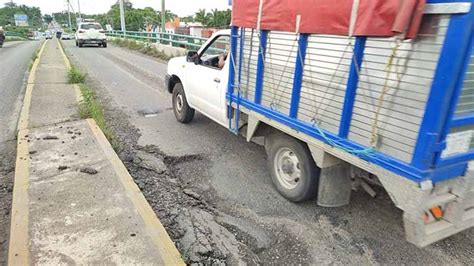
{"type": "Point", "coordinates": [180, 7]}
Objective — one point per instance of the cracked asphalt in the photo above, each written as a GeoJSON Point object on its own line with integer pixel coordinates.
{"type": "Point", "coordinates": [212, 190]}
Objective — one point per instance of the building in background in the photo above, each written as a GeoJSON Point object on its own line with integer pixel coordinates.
{"type": "Point", "coordinates": [171, 26]}
{"type": "Point", "coordinates": [195, 29]}
{"type": "Point", "coordinates": [207, 32]}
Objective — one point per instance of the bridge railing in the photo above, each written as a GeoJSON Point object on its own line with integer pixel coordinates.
{"type": "Point", "coordinates": [14, 34]}
{"type": "Point", "coordinates": [175, 40]}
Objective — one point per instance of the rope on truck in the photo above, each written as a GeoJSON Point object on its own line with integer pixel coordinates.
{"type": "Point", "coordinates": [275, 88]}
{"type": "Point", "coordinates": [380, 101]}
{"type": "Point", "coordinates": [278, 94]}
{"type": "Point", "coordinates": [317, 107]}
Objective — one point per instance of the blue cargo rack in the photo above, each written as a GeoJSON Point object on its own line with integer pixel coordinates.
{"type": "Point", "coordinates": [439, 117]}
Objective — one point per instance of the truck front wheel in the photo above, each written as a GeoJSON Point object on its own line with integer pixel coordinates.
{"type": "Point", "coordinates": [182, 111]}
{"type": "Point", "coordinates": [293, 170]}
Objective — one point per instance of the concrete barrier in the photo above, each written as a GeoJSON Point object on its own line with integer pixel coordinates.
{"type": "Point", "coordinates": [168, 50]}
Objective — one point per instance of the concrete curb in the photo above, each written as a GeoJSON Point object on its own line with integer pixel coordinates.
{"type": "Point", "coordinates": [161, 239]}
{"type": "Point", "coordinates": [18, 253]}
{"type": "Point", "coordinates": [69, 66]}
{"type": "Point", "coordinates": [25, 109]}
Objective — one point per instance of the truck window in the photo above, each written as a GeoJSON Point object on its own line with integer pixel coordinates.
{"type": "Point", "coordinates": [215, 55]}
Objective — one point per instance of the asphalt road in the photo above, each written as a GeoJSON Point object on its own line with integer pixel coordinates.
{"type": "Point", "coordinates": [15, 58]}
{"type": "Point", "coordinates": [368, 231]}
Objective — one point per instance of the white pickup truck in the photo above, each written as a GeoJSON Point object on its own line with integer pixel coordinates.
{"type": "Point", "coordinates": [344, 117]}
{"type": "Point", "coordinates": [204, 84]}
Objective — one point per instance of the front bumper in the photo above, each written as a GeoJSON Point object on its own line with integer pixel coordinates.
{"type": "Point", "coordinates": [93, 41]}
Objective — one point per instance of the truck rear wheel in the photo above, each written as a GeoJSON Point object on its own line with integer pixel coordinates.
{"type": "Point", "coordinates": [182, 111]}
{"type": "Point", "coordinates": [293, 170]}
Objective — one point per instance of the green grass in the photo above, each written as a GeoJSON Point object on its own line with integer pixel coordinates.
{"type": "Point", "coordinates": [143, 47]}
{"type": "Point", "coordinates": [91, 107]}
{"type": "Point", "coordinates": [33, 58]}
{"type": "Point", "coordinates": [75, 76]}
{"type": "Point", "coordinates": [14, 39]}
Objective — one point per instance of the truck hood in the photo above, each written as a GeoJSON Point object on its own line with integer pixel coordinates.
{"type": "Point", "coordinates": [177, 60]}
{"type": "Point", "coordinates": [175, 65]}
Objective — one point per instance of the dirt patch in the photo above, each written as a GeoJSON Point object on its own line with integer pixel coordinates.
{"type": "Point", "coordinates": [7, 169]}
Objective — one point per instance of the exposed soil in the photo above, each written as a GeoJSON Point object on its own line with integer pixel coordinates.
{"type": "Point", "coordinates": [7, 169]}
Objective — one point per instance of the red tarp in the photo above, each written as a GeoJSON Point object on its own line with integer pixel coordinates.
{"type": "Point", "coordinates": [382, 18]}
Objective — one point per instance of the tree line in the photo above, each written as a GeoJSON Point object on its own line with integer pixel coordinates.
{"type": "Point", "coordinates": [137, 18]}
{"type": "Point", "coordinates": [215, 18]}
{"type": "Point", "coordinates": [8, 12]}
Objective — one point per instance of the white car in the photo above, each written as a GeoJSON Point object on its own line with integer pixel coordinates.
{"type": "Point", "coordinates": [90, 33]}
{"type": "Point", "coordinates": [66, 36]}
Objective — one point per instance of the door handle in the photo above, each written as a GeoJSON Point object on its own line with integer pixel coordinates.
{"type": "Point", "coordinates": [217, 80]}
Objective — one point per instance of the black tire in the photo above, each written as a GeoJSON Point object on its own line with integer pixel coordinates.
{"type": "Point", "coordinates": [104, 45]}
{"type": "Point", "coordinates": [80, 45]}
{"type": "Point", "coordinates": [77, 44]}
{"type": "Point", "coordinates": [304, 186]}
{"type": "Point", "coordinates": [181, 109]}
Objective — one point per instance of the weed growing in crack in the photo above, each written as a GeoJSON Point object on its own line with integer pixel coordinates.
{"type": "Point", "coordinates": [33, 59]}
{"type": "Point", "coordinates": [91, 107]}
{"type": "Point", "coordinates": [75, 76]}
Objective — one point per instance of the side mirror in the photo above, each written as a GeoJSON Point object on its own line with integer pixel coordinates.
{"type": "Point", "coordinates": [192, 56]}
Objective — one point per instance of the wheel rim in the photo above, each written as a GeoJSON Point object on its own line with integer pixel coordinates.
{"type": "Point", "coordinates": [179, 102]}
{"type": "Point", "coordinates": [287, 166]}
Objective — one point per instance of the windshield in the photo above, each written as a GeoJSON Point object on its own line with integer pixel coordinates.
{"type": "Point", "coordinates": [91, 26]}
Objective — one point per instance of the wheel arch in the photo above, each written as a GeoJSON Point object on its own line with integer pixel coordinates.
{"type": "Point", "coordinates": [174, 79]}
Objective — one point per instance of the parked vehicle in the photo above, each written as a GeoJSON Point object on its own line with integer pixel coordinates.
{"type": "Point", "coordinates": [48, 35]}
{"type": "Point", "coordinates": [2, 37]}
{"type": "Point", "coordinates": [336, 112]}
{"type": "Point", "coordinates": [90, 33]}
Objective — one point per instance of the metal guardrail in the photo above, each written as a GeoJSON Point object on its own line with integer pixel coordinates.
{"type": "Point", "coordinates": [13, 34]}
{"type": "Point", "coordinates": [175, 40]}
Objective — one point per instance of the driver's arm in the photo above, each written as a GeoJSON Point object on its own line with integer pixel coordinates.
{"type": "Point", "coordinates": [222, 59]}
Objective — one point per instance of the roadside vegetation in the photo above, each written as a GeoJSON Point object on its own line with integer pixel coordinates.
{"type": "Point", "coordinates": [33, 59]}
{"type": "Point", "coordinates": [75, 76]}
{"type": "Point", "coordinates": [14, 39]}
{"type": "Point", "coordinates": [142, 47]}
{"type": "Point", "coordinates": [91, 107]}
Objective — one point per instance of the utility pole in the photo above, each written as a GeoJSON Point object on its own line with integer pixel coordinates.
{"type": "Point", "coordinates": [122, 17]}
{"type": "Point", "coordinates": [69, 14]}
{"type": "Point", "coordinates": [163, 16]}
{"type": "Point", "coordinates": [79, 9]}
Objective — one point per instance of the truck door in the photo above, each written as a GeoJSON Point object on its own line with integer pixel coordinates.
{"type": "Point", "coordinates": [206, 79]}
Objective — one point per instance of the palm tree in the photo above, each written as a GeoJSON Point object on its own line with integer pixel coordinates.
{"type": "Point", "coordinates": [202, 16]}
{"type": "Point", "coordinates": [214, 18]}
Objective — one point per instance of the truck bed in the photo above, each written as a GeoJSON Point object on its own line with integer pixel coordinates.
{"type": "Point", "coordinates": [373, 97]}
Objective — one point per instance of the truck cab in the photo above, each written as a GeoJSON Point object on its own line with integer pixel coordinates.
{"type": "Point", "coordinates": [199, 80]}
